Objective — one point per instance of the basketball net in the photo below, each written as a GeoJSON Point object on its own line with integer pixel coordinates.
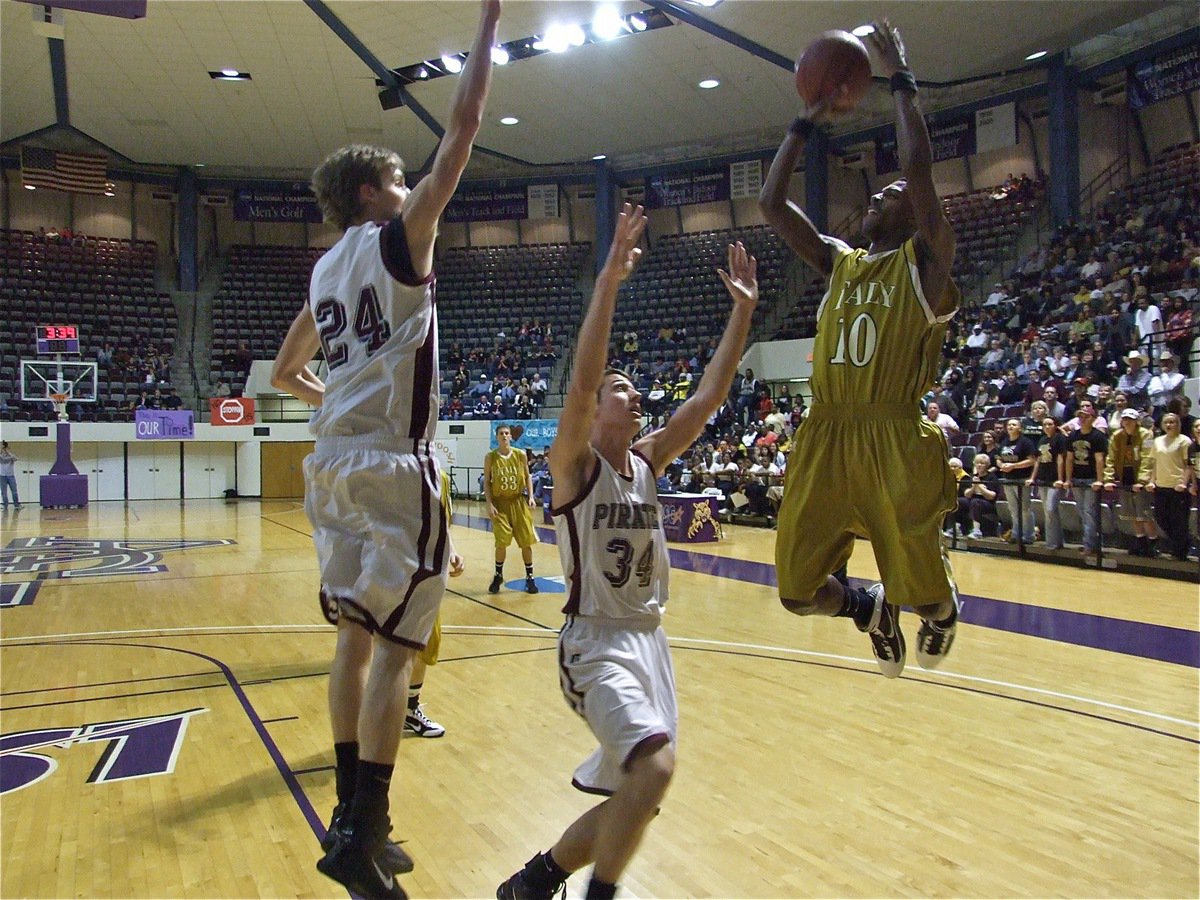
{"type": "Point", "coordinates": [60, 405]}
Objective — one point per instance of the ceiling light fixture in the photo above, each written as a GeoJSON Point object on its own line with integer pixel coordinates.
{"type": "Point", "coordinates": [1036, 54]}
{"type": "Point", "coordinates": [509, 120]}
{"type": "Point", "coordinates": [31, 187]}
{"type": "Point", "coordinates": [558, 38]}
{"type": "Point", "coordinates": [608, 24]}
{"type": "Point", "coordinates": [600, 156]}
{"type": "Point", "coordinates": [863, 30]}
{"type": "Point", "coordinates": [452, 64]}
{"type": "Point", "coordinates": [637, 23]}
{"type": "Point", "coordinates": [500, 56]}
{"type": "Point", "coordinates": [709, 83]}
{"type": "Point", "coordinates": [229, 75]}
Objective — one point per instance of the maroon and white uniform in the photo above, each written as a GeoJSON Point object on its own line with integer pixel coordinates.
{"type": "Point", "coordinates": [372, 487]}
{"type": "Point", "coordinates": [614, 662]}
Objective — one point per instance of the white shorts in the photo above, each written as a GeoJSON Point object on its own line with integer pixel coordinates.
{"type": "Point", "coordinates": [381, 536]}
{"type": "Point", "coordinates": [620, 680]}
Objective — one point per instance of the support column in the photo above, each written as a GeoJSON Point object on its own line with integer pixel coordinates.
{"type": "Point", "coordinates": [606, 212]}
{"type": "Point", "coordinates": [816, 180]}
{"type": "Point", "coordinates": [1063, 89]}
{"type": "Point", "coordinates": [189, 231]}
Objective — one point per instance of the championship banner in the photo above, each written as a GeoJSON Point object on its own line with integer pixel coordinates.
{"type": "Point", "coordinates": [231, 411]}
{"type": "Point", "coordinates": [488, 205]}
{"type": "Point", "coordinates": [950, 137]}
{"type": "Point", "coordinates": [288, 203]}
{"type": "Point", "coordinates": [996, 127]}
{"type": "Point", "coordinates": [164, 424]}
{"type": "Point", "coordinates": [685, 188]}
{"type": "Point", "coordinates": [527, 434]}
{"type": "Point", "coordinates": [1164, 76]}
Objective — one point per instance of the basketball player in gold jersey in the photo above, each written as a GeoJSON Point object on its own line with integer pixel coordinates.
{"type": "Point", "coordinates": [508, 488]}
{"type": "Point", "coordinates": [864, 463]}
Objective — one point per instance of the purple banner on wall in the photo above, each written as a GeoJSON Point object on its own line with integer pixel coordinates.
{"type": "Point", "coordinates": [488, 205]}
{"type": "Point", "coordinates": [1164, 76]}
{"type": "Point", "coordinates": [287, 203]}
{"type": "Point", "coordinates": [164, 424]}
{"type": "Point", "coordinates": [685, 188]}
{"type": "Point", "coordinates": [950, 138]}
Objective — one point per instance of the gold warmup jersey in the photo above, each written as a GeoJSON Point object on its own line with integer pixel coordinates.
{"type": "Point", "coordinates": [508, 474]}
{"type": "Point", "coordinates": [878, 340]}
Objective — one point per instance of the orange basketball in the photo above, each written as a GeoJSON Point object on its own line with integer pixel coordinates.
{"type": "Point", "coordinates": [834, 59]}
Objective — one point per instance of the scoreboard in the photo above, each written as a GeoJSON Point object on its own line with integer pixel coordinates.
{"type": "Point", "coordinates": [57, 339]}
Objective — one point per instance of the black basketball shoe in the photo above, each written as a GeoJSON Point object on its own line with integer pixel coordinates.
{"type": "Point", "coordinates": [887, 641]}
{"type": "Point", "coordinates": [520, 886]}
{"type": "Point", "coordinates": [391, 855]}
{"type": "Point", "coordinates": [494, 587]}
{"type": "Point", "coordinates": [351, 862]}
{"type": "Point", "coordinates": [530, 586]}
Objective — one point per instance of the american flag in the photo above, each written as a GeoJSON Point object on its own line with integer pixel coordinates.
{"type": "Point", "coordinates": [81, 173]}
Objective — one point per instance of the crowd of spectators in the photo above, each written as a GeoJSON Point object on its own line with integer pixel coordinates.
{"type": "Point", "coordinates": [509, 383]}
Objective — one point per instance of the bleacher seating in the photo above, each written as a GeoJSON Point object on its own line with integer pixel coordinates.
{"type": "Point", "coordinates": [103, 285]}
{"type": "Point", "coordinates": [677, 286]}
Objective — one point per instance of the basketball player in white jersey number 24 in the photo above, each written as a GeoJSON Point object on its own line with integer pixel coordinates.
{"type": "Point", "coordinates": [371, 486]}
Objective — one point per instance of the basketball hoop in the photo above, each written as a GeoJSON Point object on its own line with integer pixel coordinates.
{"type": "Point", "coordinates": [60, 405]}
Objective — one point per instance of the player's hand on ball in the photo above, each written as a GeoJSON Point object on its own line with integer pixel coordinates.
{"type": "Point", "coordinates": [887, 48]}
{"type": "Point", "coordinates": [458, 565]}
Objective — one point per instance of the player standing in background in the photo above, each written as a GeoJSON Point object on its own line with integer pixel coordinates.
{"type": "Point", "coordinates": [864, 463]}
{"type": "Point", "coordinates": [508, 487]}
{"type": "Point", "coordinates": [371, 484]}
{"type": "Point", "coordinates": [614, 664]}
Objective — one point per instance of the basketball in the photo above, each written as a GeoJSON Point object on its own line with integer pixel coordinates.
{"type": "Point", "coordinates": [834, 59]}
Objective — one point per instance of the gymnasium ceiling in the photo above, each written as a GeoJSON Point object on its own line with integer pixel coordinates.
{"type": "Point", "coordinates": [141, 87]}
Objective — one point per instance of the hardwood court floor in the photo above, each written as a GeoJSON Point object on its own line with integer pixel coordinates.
{"type": "Point", "coordinates": [165, 731]}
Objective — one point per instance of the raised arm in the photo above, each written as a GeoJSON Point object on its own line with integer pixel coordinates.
{"type": "Point", "coordinates": [290, 372]}
{"type": "Point", "coordinates": [428, 199]}
{"type": "Point", "coordinates": [661, 447]}
{"type": "Point", "coordinates": [782, 214]}
{"type": "Point", "coordinates": [935, 237]}
{"type": "Point", "coordinates": [570, 457]}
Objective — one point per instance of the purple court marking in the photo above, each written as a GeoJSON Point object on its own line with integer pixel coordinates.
{"type": "Point", "coordinates": [289, 777]}
{"type": "Point", "coordinates": [1141, 639]}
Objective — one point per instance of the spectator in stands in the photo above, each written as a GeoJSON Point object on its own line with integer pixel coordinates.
{"type": "Point", "coordinates": [482, 389]}
{"type": "Point", "coordinates": [1170, 474]}
{"type": "Point", "coordinates": [454, 410]}
{"type": "Point", "coordinates": [1079, 392]}
{"type": "Point", "coordinates": [1049, 474]}
{"type": "Point", "coordinates": [747, 394]}
{"type": "Point", "coordinates": [981, 493]}
{"type": "Point", "coordinates": [1135, 383]}
{"type": "Point", "coordinates": [1149, 324]}
{"type": "Point", "coordinates": [943, 421]}
{"type": "Point", "coordinates": [631, 343]}
{"type": "Point", "coordinates": [222, 388]}
{"type": "Point", "coordinates": [1166, 385]}
{"type": "Point", "coordinates": [1015, 458]}
{"type": "Point", "coordinates": [997, 296]}
{"type": "Point", "coordinates": [1011, 391]}
{"type": "Point", "coordinates": [483, 407]}
{"type": "Point", "coordinates": [459, 382]}
{"type": "Point", "coordinates": [1178, 333]}
{"type": "Point", "coordinates": [538, 388]}
{"type": "Point", "coordinates": [523, 407]}
{"type": "Point", "coordinates": [995, 358]}
{"type": "Point", "coordinates": [104, 356]}
{"type": "Point", "coordinates": [977, 341]}
{"type": "Point", "coordinates": [171, 400]}
{"type": "Point", "coordinates": [1038, 381]}
{"type": "Point", "coordinates": [1031, 424]}
{"type": "Point", "coordinates": [961, 517]}
{"type": "Point", "coordinates": [242, 358]}
{"type": "Point", "coordinates": [1086, 451]}
{"type": "Point", "coordinates": [1053, 406]}
{"type": "Point", "coordinates": [1127, 466]}
{"type": "Point", "coordinates": [777, 420]}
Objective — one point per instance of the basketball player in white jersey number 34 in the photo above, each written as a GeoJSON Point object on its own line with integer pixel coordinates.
{"type": "Point", "coordinates": [614, 664]}
{"type": "Point", "coordinates": [371, 486]}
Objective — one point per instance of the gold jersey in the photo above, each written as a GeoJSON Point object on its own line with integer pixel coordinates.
{"type": "Point", "coordinates": [878, 340]}
{"type": "Point", "coordinates": [508, 477]}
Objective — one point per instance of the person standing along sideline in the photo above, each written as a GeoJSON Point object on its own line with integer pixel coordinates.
{"type": "Point", "coordinates": [614, 664]}
{"type": "Point", "coordinates": [8, 475]}
{"type": "Point", "coordinates": [880, 330]}
{"type": "Point", "coordinates": [1127, 466]}
{"type": "Point", "coordinates": [508, 488]}
{"type": "Point", "coordinates": [1016, 456]}
{"type": "Point", "coordinates": [1049, 473]}
{"type": "Point", "coordinates": [1086, 451]}
{"type": "Point", "coordinates": [1170, 474]}
{"type": "Point", "coordinates": [371, 483]}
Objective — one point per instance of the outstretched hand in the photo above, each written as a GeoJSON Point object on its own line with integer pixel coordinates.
{"type": "Point", "coordinates": [742, 278]}
{"type": "Point", "coordinates": [624, 253]}
{"type": "Point", "coordinates": [887, 49]}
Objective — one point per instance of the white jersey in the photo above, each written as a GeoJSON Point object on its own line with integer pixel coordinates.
{"type": "Point", "coordinates": [612, 545]}
{"type": "Point", "coordinates": [378, 327]}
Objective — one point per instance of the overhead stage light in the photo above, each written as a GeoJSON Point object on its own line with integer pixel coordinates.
{"type": "Point", "coordinates": [863, 30]}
